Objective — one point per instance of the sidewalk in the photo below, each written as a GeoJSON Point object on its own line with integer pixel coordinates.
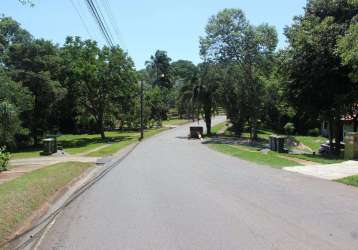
{"type": "Point", "coordinates": [328, 172]}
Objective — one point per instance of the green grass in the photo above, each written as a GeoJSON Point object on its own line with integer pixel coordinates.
{"type": "Point", "coordinates": [130, 137]}
{"type": "Point", "coordinates": [351, 180]}
{"type": "Point", "coordinates": [20, 197]}
{"type": "Point", "coordinates": [313, 142]}
{"type": "Point", "coordinates": [81, 143]}
{"type": "Point", "coordinates": [271, 159]}
{"type": "Point", "coordinates": [26, 153]}
{"type": "Point", "coordinates": [318, 158]}
{"type": "Point", "coordinates": [175, 122]}
{"type": "Point", "coordinates": [215, 129]}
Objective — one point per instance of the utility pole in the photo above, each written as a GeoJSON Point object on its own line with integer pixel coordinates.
{"type": "Point", "coordinates": [141, 111]}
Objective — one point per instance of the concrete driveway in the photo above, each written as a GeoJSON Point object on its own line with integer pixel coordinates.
{"type": "Point", "coordinates": [174, 193]}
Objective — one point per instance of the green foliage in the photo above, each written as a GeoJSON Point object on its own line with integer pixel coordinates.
{"type": "Point", "coordinates": [348, 49]}
{"type": "Point", "coordinates": [244, 51]}
{"type": "Point", "coordinates": [289, 128]}
{"type": "Point", "coordinates": [319, 84]}
{"type": "Point", "coordinates": [158, 68]}
{"type": "Point", "coordinates": [4, 159]}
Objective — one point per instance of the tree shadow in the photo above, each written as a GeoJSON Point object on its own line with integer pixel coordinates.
{"type": "Point", "coordinates": [83, 142]}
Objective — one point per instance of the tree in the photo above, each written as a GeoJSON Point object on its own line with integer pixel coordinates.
{"type": "Point", "coordinates": [11, 33]}
{"type": "Point", "coordinates": [241, 47]}
{"type": "Point", "coordinates": [184, 74]}
{"type": "Point", "coordinates": [106, 78]}
{"type": "Point", "coordinates": [14, 101]}
{"type": "Point", "coordinates": [10, 124]}
{"type": "Point", "coordinates": [319, 84]}
{"type": "Point", "coordinates": [205, 91]}
{"type": "Point", "coordinates": [35, 65]}
{"type": "Point", "coordinates": [158, 68]}
{"type": "Point", "coordinates": [348, 49]}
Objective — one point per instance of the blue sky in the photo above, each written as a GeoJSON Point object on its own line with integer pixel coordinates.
{"type": "Point", "coordinates": [145, 26]}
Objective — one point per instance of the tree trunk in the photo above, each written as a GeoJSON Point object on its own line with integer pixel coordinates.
{"type": "Point", "coordinates": [355, 123]}
{"type": "Point", "coordinates": [208, 123]}
{"type": "Point", "coordinates": [330, 125]}
{"type": "Point", "coordinates": [254, 130]}
{"type": "Point", "coordinates": [100, 128]}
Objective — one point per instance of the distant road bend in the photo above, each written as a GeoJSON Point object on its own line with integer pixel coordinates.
{"type": "Point", "coordinates": [174, 193]}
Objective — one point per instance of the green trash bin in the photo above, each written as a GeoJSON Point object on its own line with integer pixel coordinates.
{"type": "Point", "coordinates": [280, 146]}
{"type": "Point", "coordinates": [49, 146]}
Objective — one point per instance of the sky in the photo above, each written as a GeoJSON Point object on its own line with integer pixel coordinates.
{"type": "Point", "coordinates": [145, 26]}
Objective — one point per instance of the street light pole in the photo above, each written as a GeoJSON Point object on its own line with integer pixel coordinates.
{"type": "Point", "coordinates": [141, 111]}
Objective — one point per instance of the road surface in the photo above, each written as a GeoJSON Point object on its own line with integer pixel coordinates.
{"type": "Point", "coordinates": [174, 193]}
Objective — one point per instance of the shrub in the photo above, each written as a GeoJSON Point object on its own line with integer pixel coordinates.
{"type": "Point", "coordinates": [289, 128]}
{"type": "Point", "coordinates": [4, 159]}
{"type": "Point", "coordinates": [314, 132]}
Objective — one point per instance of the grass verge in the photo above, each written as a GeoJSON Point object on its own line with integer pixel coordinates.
{"type": "Point", "coordinates": [271, 159]}
{"type": "Point", "coordinates": [351, 180]}
{"type": "Point", "coordinates": [22, 196]}
{"type": "Point", "coordinates": [215, 129]}
{"type": "Point", "coordinates": [318, 158]}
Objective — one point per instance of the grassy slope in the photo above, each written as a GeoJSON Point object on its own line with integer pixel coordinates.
{"type": "Point", "coordinates": [352, 180]}
{"type": "Point", "coordinates": [271, 159]}
{"type": "Point", "coordinates": [23, 195]}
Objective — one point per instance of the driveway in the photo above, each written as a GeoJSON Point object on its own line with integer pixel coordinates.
{"type": "Point", "coordinates": [174, 193]}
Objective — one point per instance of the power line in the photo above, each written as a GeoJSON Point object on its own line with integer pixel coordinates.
{"type": "Point", "coordinates": [98, 18]}
{"type": "Point", "coordinates": [113, 20]}
{"type": "Point", "coordinates": [103, 19]}
{"type": "Point", "coordinates": [82, 20]}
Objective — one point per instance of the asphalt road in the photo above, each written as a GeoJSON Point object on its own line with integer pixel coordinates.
{"type": "Point", "coordinates": [174, 193]}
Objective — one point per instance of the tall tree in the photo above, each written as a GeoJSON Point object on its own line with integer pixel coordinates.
{"type": "Point", "coordinates": [319, 83]}
{"type": "Point", "coordinates": [35, 65]}
{"type": "Point", "coordinates": [158, 68]}
{"type": "Point", "coordinates": [235, 43]}
{"type": "Point", "coordinates": [106, 78]}
{"type": "Point", "coordinates": [205, 91]}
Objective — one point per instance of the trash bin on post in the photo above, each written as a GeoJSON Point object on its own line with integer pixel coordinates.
{"type": "Point", "coordinates": [280, 144]}
{"type": "Point", "coordinates": [49, 146]}
{"type": "Point", "coordinates": [351, 146]}
{"type": "Point", "coordinates": [272, 142]}
{"type": "Point", "coordinates": [277, 143]}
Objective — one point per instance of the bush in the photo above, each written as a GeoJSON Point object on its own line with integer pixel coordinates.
{"type": "Point", "coordinates": [4, 159]}
{"type": "Point", "coordinates": [314, 132]}
{"type": "Point", "coordinates": [289, 128]}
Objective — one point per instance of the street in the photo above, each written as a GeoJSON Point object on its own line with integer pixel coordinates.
{"type": "Point", "coordinates": [175, 193]}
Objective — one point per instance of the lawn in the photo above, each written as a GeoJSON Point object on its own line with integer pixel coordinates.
{"type": "Point", "coordinates": [175, 122]}
{"type": "Point", "coordinates": [215, 129]}
{"type": "Point", "coordinates": [20, 197]}
{"type": "Point", "coordinates": [82, 143]}
{"type": "Point", "coordinates": [318, 158]}
{"type": "Point", "coordinates": [313, 142]}
{"type": "Point", "coordinates": [271, 159]}
{"type": "Point", "coordinates": [26, 153]}
{"type": "Point", "coordinates": [351, 180]}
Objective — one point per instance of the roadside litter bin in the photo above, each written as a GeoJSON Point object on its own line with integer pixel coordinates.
{"type": "Point", "coordinates": [196, 132]}
{"type": "Point", "coordinates": [280, 144]}
{"type": "Point", "coordinates": [277, 143]}
{"type": "Point", "coordinates": [351, 146]}
{"type": "Point", "coordinates": [49, 146]}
